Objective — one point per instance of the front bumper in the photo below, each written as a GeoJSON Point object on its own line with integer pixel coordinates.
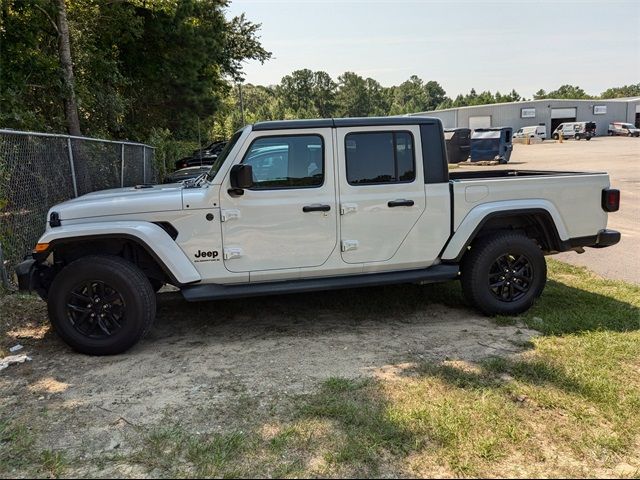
{"type": "Point", "coordinates": [33, 277]}
{"type": "Point", "coordinates": [26, 272]}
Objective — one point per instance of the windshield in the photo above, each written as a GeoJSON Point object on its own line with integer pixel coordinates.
{"type": "Point", "coordinates": [223, 155]}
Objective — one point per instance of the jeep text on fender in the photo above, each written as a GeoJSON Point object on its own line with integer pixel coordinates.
{"type": "Point", "coordinates": [296, 206]}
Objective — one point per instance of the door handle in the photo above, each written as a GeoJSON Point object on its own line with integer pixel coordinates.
{"type": "Point", "coordinates": [316, 208]}
{"type": "Point", "coordinates": [400, 203]}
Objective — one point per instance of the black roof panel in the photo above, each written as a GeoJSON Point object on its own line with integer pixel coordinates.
{"type": "Point", "coordinates": [343, 122]}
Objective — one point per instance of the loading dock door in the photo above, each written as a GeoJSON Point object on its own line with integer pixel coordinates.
{"type": "Point", "coordinates": [562, 115]}
{"type": "Point", "coordinates": [483, 121]}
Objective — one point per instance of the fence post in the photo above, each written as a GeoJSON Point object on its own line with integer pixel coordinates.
{"type": "Point", "coordinates": [144, 164]}
{"type": "Point", "coordinates": [4, 277]}
{"type": "Point", "coordinates": [122, 165]}
{"type": "Point", "coordinates": [73, 168]}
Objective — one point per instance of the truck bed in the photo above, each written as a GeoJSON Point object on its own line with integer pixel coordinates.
{"type": "Point", "coordinates": [575, 196]}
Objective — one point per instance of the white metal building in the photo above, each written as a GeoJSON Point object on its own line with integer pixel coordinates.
{"type": "Point", "coordinates": [546, 112]}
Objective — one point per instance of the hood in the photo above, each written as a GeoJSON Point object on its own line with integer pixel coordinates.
{"type": "Point", "coordinates": [121, 201]}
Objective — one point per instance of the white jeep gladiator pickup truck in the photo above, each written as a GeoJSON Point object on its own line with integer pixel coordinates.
{"type": "Point", "coordinates": [297, 206]}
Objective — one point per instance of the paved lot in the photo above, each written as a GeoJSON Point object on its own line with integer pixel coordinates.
{"type": "Point", "coordinates": [620, 157]}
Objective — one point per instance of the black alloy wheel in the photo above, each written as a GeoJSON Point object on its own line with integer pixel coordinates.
{"type": "Point", "coordinates": [510, 277]}
{"type": "Point", "coordinates": [96, 309]}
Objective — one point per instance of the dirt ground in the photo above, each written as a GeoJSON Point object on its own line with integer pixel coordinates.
{"type": "Point", "coordinates": [213, 356]}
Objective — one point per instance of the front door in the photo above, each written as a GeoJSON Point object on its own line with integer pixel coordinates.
{"type": "Point", "coordinates": [382, 193]}
{"type": "Point", "coordinates": [287, 220]}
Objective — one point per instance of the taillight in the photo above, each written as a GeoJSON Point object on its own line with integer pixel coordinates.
{"type": "Point", "coordinates": [610, 200]}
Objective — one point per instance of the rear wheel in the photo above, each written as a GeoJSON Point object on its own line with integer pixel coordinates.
{"type": "Point", "coordinates": [504, 273]}
{"type": "Point", "coordinates": [101, 305]}
{"type": "Point", "coordinates": [577, 136]}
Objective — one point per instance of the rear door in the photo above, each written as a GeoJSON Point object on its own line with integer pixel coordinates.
{"type": "Point", "coordinates": [381, 189]}
{"type": "Point", "coordinates": [288, 219]}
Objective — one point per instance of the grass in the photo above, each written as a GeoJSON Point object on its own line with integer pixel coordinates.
{"type": "Point", "coordinates": [19, 452]}
{"type": "Point", "coordinates": [568, 405]}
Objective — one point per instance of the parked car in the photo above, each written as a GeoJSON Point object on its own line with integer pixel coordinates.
{"type": "Point", "coordinates": [622, 128]}
{"type": "Point", "coordinates": [186, 174]}
{"type": "Point", "coordinates": [576, 130]}
{"type": "Point", "coordinates": [534, 131]}
{"type": "Point", "coordinates": [212, 149]}
{"type": "Point", "coordinates": [205, 156]}
{"type": "Point", "coordinates": [355, 202]}
{"type": "Point", "coordinates": [492, 144]}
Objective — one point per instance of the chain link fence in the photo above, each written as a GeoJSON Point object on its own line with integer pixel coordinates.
{"type": "Point", "coordinates": [40, 170]}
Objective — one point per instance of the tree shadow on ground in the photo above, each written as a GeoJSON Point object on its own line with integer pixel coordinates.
{"type": "Point", "coordinates": [561, 309]}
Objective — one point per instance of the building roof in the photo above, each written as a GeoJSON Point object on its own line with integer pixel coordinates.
{"type": "Point", "coordinates": [529, 102]}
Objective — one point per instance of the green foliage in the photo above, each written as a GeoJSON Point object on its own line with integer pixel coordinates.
{"type": "Point", "coordinates": [484, 98]}
{"type": "Point", "coordinates": [565, 91]}
{"type": "Point", "coordinates": [139, 65]}
{"type": "Point", "coordinates": [168, 150]}
{"type": "Point", "coordinates": [624, 91]}
{"type": "Point", "coordinates": [416, 96]}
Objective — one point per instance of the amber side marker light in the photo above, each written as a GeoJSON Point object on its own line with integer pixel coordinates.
{"type": "Point", "coordinates": [41, 247]}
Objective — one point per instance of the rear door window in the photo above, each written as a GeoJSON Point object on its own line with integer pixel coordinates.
{"type": "Point", "coordinates": [379, 157]}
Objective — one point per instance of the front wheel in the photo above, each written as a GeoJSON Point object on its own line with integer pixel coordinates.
{"type": "Point", "coordinates": [101, 305]}
{"type": "Point", "coordinates": [504, 273]}
{"type": "Point", "coordinates": [577, 136]}
{"type": "Point", "coordinates": [556, 136]}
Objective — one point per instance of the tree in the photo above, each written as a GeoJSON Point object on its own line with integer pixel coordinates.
{"type": "Point", "coordinates": [410, 96]}
{"type": "Point", "coordinates": [68, 80]}
{"type": "Point", "coordinates": [564, 92]}
{"type": "Point", "coordinates": [135, 66]}
{"type": "Point", "coordinates": [377, 98]}
{"type": "Point", "coordinates": [352, 95]}
{"type": "Point", "coordinates": [435, 94]}
{"type": "Point", "coordinates": [624, 91]}
{"type": "Point", "coordinates": [296, 91]}
{"type": "Point", "coordinates": [324, 94]}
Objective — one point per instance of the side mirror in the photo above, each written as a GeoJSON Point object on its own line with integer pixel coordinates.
{"type": "Point", "coordinates": [241, 176]}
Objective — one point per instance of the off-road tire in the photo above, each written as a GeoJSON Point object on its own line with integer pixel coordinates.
{"type": "Point", "coordinates": [481, 260]}
{"type": "Point", "coordinates": [136, 302]}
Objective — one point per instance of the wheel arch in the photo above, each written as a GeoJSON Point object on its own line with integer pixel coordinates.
{"type": "Point", "coordinates": [148, 245]}
{"type": "Point", "coordinates": [537, 222]}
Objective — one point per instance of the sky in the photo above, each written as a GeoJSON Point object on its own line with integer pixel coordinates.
{"type": "Point", "coordinates": [486, 45]}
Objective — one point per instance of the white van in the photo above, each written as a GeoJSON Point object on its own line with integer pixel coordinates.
{"type": "Point", "coordinates": [536, 131]}
{"type": "Point", "coordinates": [575, 130]}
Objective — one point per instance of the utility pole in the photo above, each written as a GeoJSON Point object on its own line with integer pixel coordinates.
{"type": "Point", "coordinates": [241, 102]}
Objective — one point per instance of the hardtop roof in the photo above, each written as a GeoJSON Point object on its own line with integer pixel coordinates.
{"type": "Point", "coordinates": [343, 122]}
